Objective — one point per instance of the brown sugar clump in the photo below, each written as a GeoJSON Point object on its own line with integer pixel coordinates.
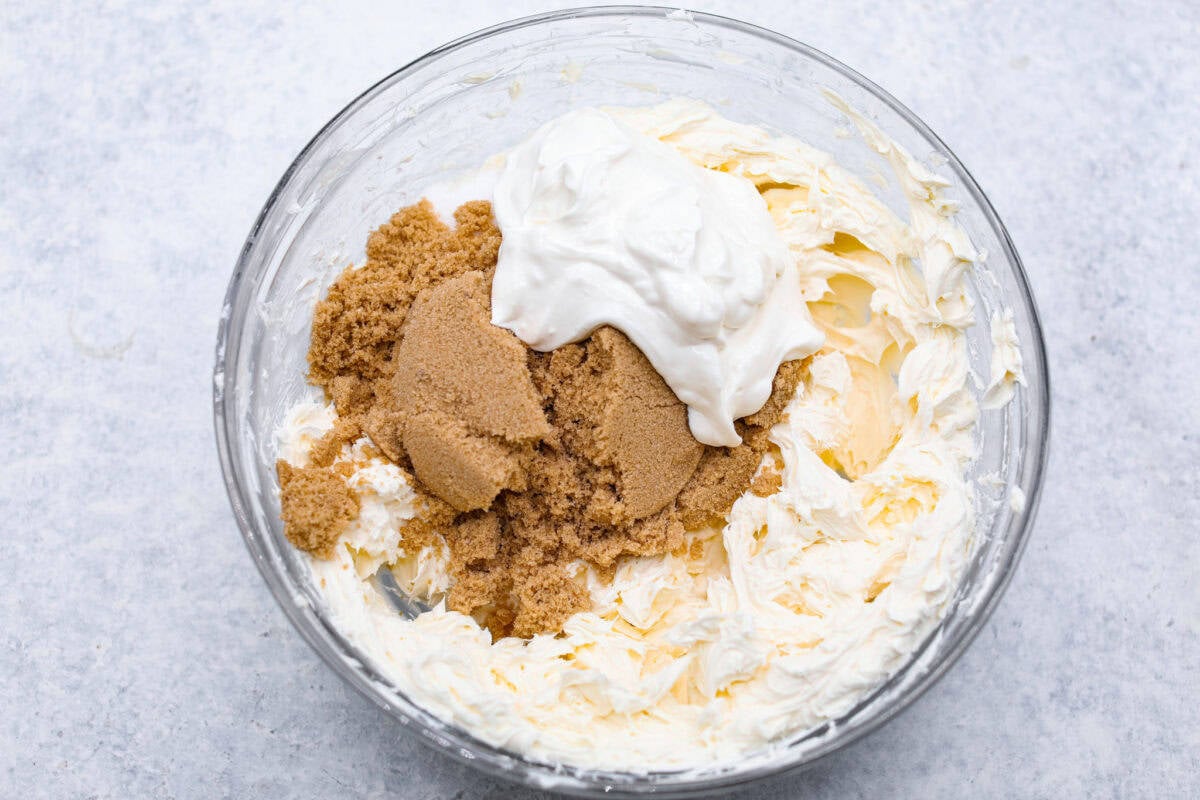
{"type": "Point", "coordinates": [722, 476]}
{"type": "Point", "coordinates": [356, 326]}
{"type": "Point", "coordinates": [462, 400]}
{"type": "Point", "coordinates": [613, 409]}
{"type": "Point", "coordinates": [329, 446]}
{"type": "Point", "coordinates": [317, 505]}
{"type": "Point", "coordinates": [528, 462]}
{"type": "Point", "coordinates": [767, 482]}
{"type": "Point", "coordinates": [725, 472]}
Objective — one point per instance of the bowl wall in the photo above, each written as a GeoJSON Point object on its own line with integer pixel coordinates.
{"type": "Point", "coordinates": [446, 114]}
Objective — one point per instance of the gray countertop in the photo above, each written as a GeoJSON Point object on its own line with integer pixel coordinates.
{"type": "Point", "coordinates": [141, 654]}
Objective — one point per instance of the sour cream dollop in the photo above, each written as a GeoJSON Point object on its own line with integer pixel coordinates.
{"type": "Point", "coordinates": [604, 225]}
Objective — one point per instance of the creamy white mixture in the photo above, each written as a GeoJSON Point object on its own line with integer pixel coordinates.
{"type": "Point", "coordinates": [805, 600]}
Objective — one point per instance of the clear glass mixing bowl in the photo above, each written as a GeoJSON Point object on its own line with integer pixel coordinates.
{"type": "Point", "coordinates": [448, 112]}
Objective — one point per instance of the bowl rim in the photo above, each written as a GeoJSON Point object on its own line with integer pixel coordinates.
{"type": "Point", "coordinates": [540, 774]}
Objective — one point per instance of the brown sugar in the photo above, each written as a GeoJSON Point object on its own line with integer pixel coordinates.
{"type": "Point", "coordinates": [317, 505]}
{"type": "Point", "coordinates": [725, 472]}
{"type": "Point", "coordinates": [357, 325]}
{"type": "Point", "coordinates": [463, 405]}
{"type": "Point", "coordinates": [528, 462]}
{"type": "Point", "coordinates": [613, 409]}
{"type": "Point", "coordinates": [767, 482]}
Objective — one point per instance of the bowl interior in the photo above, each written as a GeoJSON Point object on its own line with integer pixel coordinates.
{"type": "Point", "coordinates": [445, 115]}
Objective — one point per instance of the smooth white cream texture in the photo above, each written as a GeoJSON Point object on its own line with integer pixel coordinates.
{"type": "Point", "coordinates": [807, 599]}
{"type": "Point", "coordinates": [603, 225]}
{"type": "Point", "coordinates": [1006, 365]}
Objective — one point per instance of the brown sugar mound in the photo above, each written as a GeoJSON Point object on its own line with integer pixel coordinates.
{"type": "Point", "coordinates": [725, 472]}
{"type": "Point", "coordinates": [612, 408]}
{"type": "Point", "coordinates": [463, 405]}
{"type": "Point", "coordinates": [528, 462]}
{"type": "Point", "coordinates": [357, 325]}
{"type": "Point", "coordinates": [317, 505]}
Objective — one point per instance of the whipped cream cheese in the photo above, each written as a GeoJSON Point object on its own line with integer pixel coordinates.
{"type": "Point", "coordinates": [1007, 369]}
{"type": "Point", "coordinates": [606, 226]}
{"type": "Point", "coordinates": [805, 600]}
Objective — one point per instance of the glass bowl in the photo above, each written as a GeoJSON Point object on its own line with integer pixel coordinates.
{"type": "Point", "coordinates": [448, 112]}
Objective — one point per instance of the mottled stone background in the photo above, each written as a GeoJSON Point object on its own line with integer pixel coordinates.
{"type": "Point", "coordinates": [140, 653]}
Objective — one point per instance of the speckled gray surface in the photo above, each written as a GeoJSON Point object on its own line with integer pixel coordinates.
{"type": "Point", "coordinates": [140, 653]}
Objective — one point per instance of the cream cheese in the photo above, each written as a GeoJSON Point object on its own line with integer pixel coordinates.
{"type": "Point", "coordinates": [806, 599]}
{"type": "Point", "coordinates": [1007, 370]}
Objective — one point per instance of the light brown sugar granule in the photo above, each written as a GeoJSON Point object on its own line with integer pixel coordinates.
{"type": "Point", "coordinates": [317, 505]}
{"type": "Point", "coordinates": [462, 405]}
{"type": "Point", "coordinates": [725, 472]}
{"type": "Point", "coordinates": [329, 447]}
{"type": "Point", "coordinates": [357, 325]}
{"type": "Point", "coordinates": [528, 462]}
{"type": "Point", "coordinates": [767, 482]}
{"type": "Point", "coordinates": [615, 410]}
